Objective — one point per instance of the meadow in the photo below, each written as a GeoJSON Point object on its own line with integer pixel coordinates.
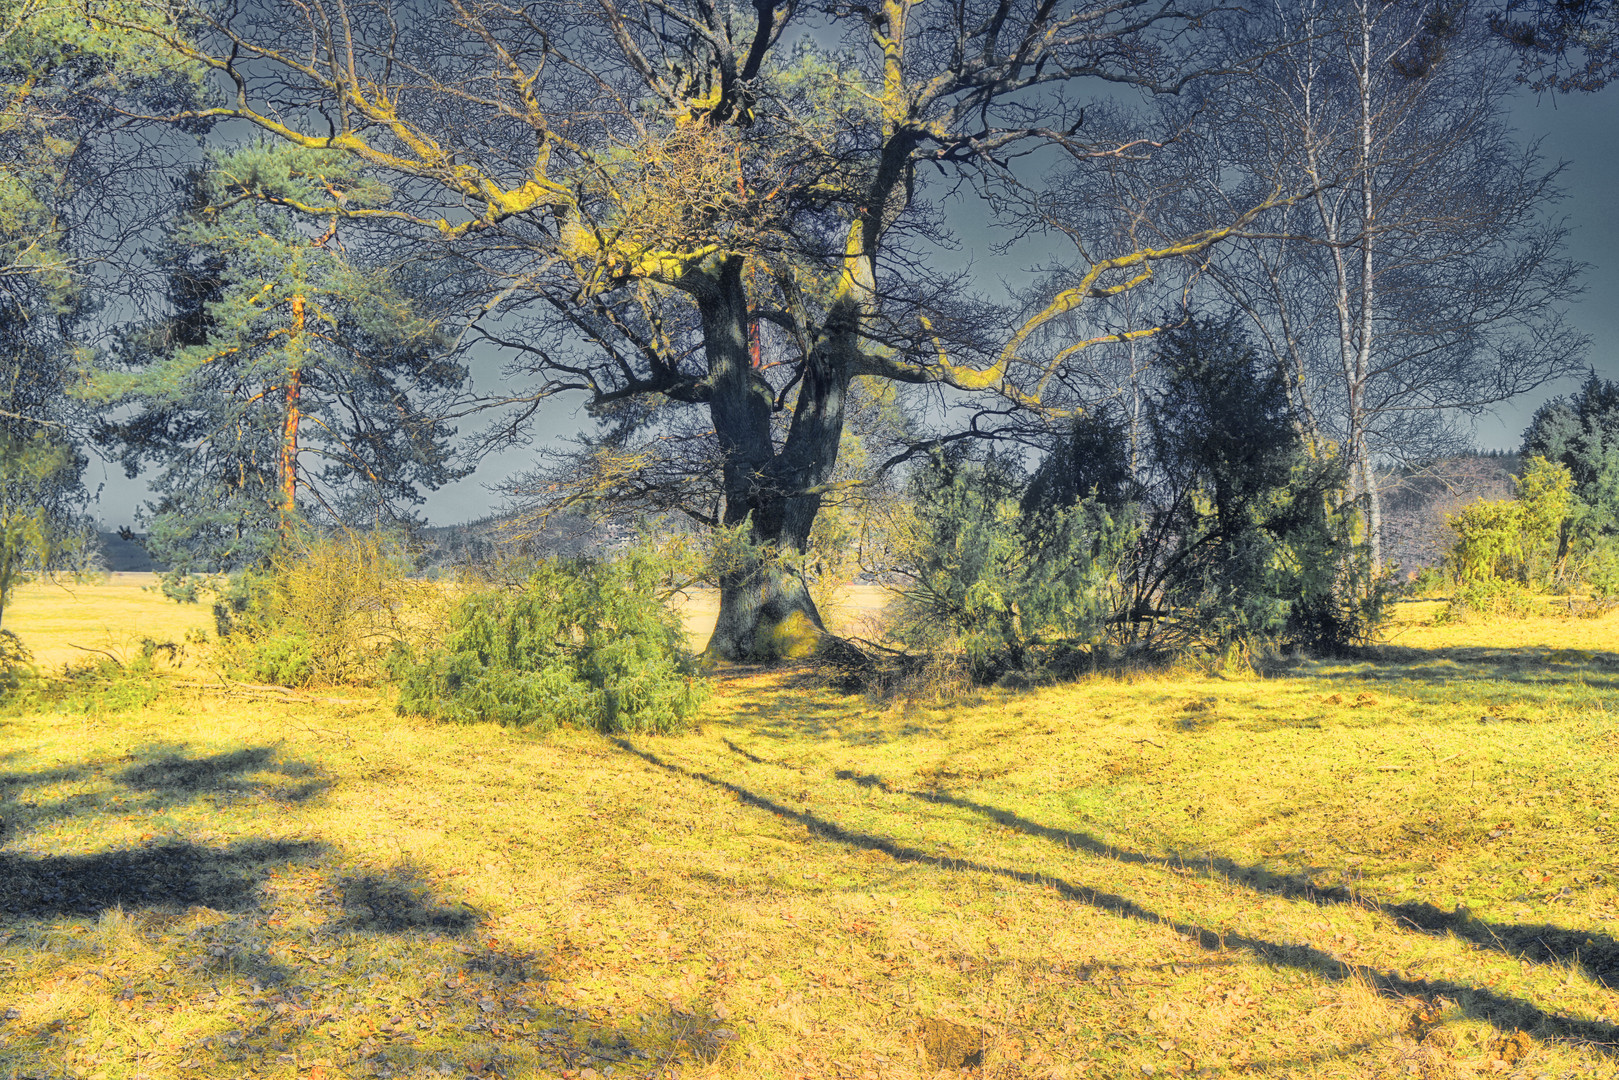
{"type": "Point", "coordinates": [1404, 864]}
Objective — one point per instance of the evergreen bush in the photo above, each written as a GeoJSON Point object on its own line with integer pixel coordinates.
{"type": "Point", "coordinates": [959, 549]}
{"type": "Point", "coordinates": [581, 642]}
{"type": "Point", "coordinates": [1581, 432]}
{"type": "Point", "coordinates": [994, 575]}
{"type": "Point", "coordinates": [1203, 524]}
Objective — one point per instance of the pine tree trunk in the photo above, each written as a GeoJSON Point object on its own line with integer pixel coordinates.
{"type": "Point", "coordinates": [288, 467]}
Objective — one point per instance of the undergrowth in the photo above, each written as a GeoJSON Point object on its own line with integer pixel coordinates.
{"type": "Point", "coordinates": [326, 612]}
{"type": "Point", "coordinates": [588, 643]}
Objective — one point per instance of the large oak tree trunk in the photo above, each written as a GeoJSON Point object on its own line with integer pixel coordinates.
{"type": "Point", "coordinates": [766, 611]}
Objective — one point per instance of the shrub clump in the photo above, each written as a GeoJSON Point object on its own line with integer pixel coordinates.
{"type": "Point", "coordinates": [1508, 552]}
{"type": "Point", "coordinates": [1206, 526]}
{"type": "Point", "coordinates": [581, 642]}
{"type": "Point", "coordinates": [323, 612]}
{"type": "Point", "coordinates": [16, 662]}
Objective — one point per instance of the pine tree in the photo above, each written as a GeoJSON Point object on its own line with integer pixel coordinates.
{"type": "Point", "coordinates": [1581, 432]}
{"type": "Point", "coordinates": [290, 382]}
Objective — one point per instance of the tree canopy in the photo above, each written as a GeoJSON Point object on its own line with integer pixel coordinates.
{"type": "Point", "coordinates": [1581, 433]}
{"type": "Point", "coordinates": [79, 183]}
{"type": "Point", "coordinates": [1422, 282]}
{"type": "Point", "coordinates": [286, 383]}
{"type": "Point", "coordinates": [627, 199]}
{"type": "Point", "coordinates": [730, 232]}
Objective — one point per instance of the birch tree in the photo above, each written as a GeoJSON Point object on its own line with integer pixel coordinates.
{"type": "Point", "coordinates": [1422, 282]}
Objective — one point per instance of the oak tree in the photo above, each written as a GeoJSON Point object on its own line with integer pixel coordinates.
{"type": "Point", "coordinates": [619, 193]}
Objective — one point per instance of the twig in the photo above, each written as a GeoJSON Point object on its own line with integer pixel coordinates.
{"type": "Point", "coordinates": [869, 644]}
{"type": "Point", "coordinates": [103, 652]}
{"type": "Point", "coordinates": [264, 693]}
{"type": "Point", "coordinates": [311, 729]}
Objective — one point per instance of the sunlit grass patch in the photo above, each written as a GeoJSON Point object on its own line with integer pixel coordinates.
{"type": "Point", "coordinates": [1385, 866]}
{"type": "Point", "coordinates": [63, 621]}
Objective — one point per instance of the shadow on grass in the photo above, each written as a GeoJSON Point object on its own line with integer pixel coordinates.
{"type": "Point", "coordinates": [168, 778]}
{"type": "Point", "coordinates": [400, 901]}
{"type": "Point", "coordinates": [1505, 1013]}
{"type": "Point", "coordinates": [1531, 664]}
{"type": "Point", "coordinates": [233, 961]}
{"type": "Point", "coordinates": [170, 875]}
{"type": "Point", "coordinates": [189, 777]}
{"type": "Point", "coordinates": [791, 716]}
{"type": "Point", "coordinates": [44, 776]}
{"type": "Point", "coordinates": [1595, 953]}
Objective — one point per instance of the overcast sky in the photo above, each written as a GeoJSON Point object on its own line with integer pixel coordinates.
{"type": "Point", "coordinates": [1581, 130]}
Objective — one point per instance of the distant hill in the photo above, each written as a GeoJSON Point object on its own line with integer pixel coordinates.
{"type": "Point", "coordinates": [444, 545]}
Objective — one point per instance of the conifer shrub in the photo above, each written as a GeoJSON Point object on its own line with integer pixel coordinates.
{"type": "Point", "coordinates": [581, 642]}
{"type": "Point", "coordinates": [994, 583]}
{"type": "Point", "coordinates": [1203, 525]}
{"type": "Point", "coordinates": [1599, 566]}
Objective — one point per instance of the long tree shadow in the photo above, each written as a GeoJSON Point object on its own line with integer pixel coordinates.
{"type": "Point", "coordinates": [1504, 1013]}
{"type": "Point", "coordinates": [1595, 953]}
{"type": "Point", "coordinates": [188, 777]}
{"type": "Point", "coordinates": [170, 875]}
{"type": "Point", "coordinates": [1536, 665]}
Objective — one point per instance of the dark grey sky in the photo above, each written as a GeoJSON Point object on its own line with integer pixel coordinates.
{"type": "Point", "coordinates": [1580, 130]}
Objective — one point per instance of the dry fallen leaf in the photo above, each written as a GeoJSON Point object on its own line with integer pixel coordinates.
{"type": "Point", "coordinates": [1512, 1048]}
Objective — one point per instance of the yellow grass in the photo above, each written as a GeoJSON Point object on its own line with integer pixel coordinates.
{"type": "Point", "coordinates": [854, 612]}
{"type": "Point", "coordinates": [61, 620]}
{"type": "Point", "coordinates": [1381, 868]}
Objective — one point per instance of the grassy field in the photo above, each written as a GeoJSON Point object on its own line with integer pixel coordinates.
{"type": "Point", "coordinates": [1404, 865]}
{"type": "Point", "coordinates": [64, 622]}
{"type": "Point", "coordinates": [853, 612]}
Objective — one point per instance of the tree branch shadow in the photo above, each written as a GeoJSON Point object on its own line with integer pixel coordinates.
{"type": "Point", "coordinates": [1503, 1012]}
{"type": "Point", "coordinates": [1538, 665]}
{"type": "Point", "coordinates": [169, 875]}
{"type": "Point", "coordinates": [190, 777]}
{"type": "Point", "coordinates": [165, 779]}
{"type": "Point", "coordinates": [1595, 953]}
{"type": "Point", "coordinates": [400, 901]}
